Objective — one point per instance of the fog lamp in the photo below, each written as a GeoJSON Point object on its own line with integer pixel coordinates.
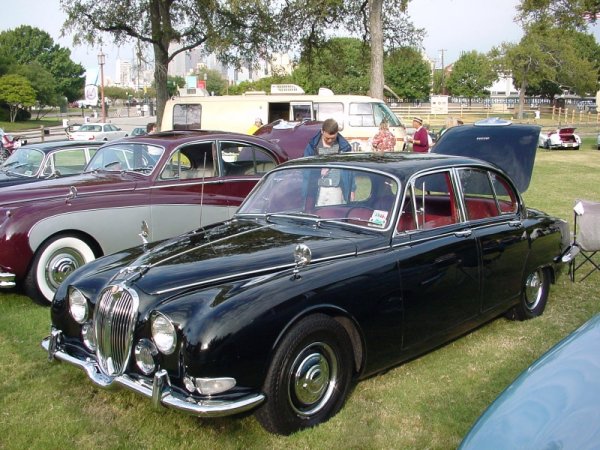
{"type": "Point", "coordinates": [211, 386]}
{"type": "Point", "coordinates": [145, 352]}
{"type": "Point", "coordinates": [89, 336]}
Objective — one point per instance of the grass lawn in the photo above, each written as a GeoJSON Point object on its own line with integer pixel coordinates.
{"type": "Point", "coordinates": [430, 402]}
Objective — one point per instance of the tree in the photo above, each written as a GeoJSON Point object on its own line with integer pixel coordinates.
{"type": "Point", "coordinates": [380, 23]}
{"type": "Point", "coordinates": [236, 31]}
{"type": "Point", "coordinates": [26, 45]}
{"type": "Point", "coordinates": [471, 74]}
{"type": "Point", "coordinates": [408, 74]}
{"type": "Point", "coordinates": [16, 91]}
{"type": "Point", "coordinates": [548, 59]}
{"type": "Point", "coordinates": [565, 14]}
{"type": "Point", "coordinates": [43, 83]}
{"type": "Point", "coordinates": [340, 64]}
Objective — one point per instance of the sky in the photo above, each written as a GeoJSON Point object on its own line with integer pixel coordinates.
{"type": "Point", "coordinates": [452, 27]}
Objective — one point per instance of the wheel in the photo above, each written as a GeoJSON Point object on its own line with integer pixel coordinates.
{"type": "Point", "coordinates": [309, 376]}
{"type": "Point", "coordinates": [54, 260]}
{"type": "Point", "coordinates": [547, 145]}
{"type": "Point", "coordinates": [534, 296]}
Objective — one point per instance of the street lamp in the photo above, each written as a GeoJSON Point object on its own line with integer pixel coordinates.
{"type": "Point", "coordinates": [101, 62]}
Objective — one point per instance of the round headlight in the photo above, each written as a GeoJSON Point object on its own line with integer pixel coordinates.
{"type": "Point", "coordinates": [163, 334]}
{"type": "Point", "coordinates": [78, 305]}
{"type": "Point", "coordinates": [145, 351]}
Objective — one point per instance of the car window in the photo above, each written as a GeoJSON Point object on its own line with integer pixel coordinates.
{"type": "Point", "coordinates": [345, 195]}
{"type": "Point", "coordinates": [327, 110]}
{"type": "Point", "coordinates": [193, 161]}
{"type": "Point", "coordinates": [126, 156]}
{"type": "Point", "coordinates": [361, 115]}
{"type": "Point", "coordinates": [245, 159]}
{"type": "Point", "coordinates": [24, 161]}
{"type": "Point", "coordinates": [506, 196]}
{"type": "Point", "coordinates": [430, 202]}
{"type": "Point", "coordinates": [478, 193]}
{"type": "Point", "coordinates": [66, 162]}
{"type": "Point", "coordinates": [187, 117]}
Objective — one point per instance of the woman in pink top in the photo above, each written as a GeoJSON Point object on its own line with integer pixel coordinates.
{"type": "Point", "coordinates": [384, 140]}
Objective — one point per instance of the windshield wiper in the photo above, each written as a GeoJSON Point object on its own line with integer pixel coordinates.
{"type": "Point", "coordinates": [292, 214]}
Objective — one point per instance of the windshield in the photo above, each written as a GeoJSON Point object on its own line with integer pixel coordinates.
{"type": "Point", "coordinates": [326, 193]}
{"type": "Point", "coordinates": [24, 161]}
{"type": "Point", "coordinates": [126, 156]}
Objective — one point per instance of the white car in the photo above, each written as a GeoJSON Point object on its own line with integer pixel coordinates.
{"type": "Point", "coordinates": [97, 132]}
{"type": "Point", "coordinates": [560, 138]}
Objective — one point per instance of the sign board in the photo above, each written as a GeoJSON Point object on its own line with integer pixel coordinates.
{"type": "Point", "coordinates": [439, 104]}
{"type": "Point", "coordinates": [91, 95]}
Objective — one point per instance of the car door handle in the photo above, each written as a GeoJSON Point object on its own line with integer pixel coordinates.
{"type": "Point", "coordinates": [463, 233]}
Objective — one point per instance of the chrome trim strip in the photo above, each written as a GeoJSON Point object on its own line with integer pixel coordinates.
{"type": "Point", "coordinates": [250, 273]}
{"type": "Point", "coordinates": [160, 391]}
{"type": "Point", "coordinates": [181, 183]}
{"type": "Point", "coordinates": [7, 280]}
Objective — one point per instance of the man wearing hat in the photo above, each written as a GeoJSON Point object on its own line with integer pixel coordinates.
{"type": "Point", "coordinates": [420, 139]}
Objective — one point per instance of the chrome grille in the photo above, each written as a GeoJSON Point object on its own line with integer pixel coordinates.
{"type": "Point", "coordinates": [114, 321]}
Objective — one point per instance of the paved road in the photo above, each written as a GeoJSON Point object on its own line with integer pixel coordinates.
{"type": "Point", "coordinates": [58, 133]}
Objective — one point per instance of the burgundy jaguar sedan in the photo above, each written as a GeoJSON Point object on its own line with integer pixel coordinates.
{"type": "Point", "coordinates": [145, 188]}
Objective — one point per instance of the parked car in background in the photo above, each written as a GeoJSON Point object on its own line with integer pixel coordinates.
{"type": "Point", "coordinates": [173, 182]}
{"type": "Point", "coordinates": [561, 138]}
{"type": "Point", "coordinates": [555, 403]}
{"type": "Point", "coordinates": [293, 136]}
{"type": "Point", "coordinates": [97, 132]}
{"type": "Point", "coordinates": [138, 131]}
{"type": "Point", "coordinates": [334, 268]}
{"type": "Point", "coordinates": [46, 160]}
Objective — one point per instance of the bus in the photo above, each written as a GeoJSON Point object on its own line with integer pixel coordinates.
{"type": "Point", "coordinates": [358, 116]}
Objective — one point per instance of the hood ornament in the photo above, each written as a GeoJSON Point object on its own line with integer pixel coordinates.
{"type": "Point", "coordinates": [302, 257]}
{"type": "Point", "coordinates": [144, 233]}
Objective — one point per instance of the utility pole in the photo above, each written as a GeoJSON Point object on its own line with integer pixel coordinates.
{"type": "Point", "coordinates": [443, 69]}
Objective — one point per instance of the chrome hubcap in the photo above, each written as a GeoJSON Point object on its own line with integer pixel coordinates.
{"type": "Point", "coordinates": [533, 289]}
{"type": "Point", "coordinates": [60, 265]}
{"type": "Point", "coordinates": [313, 379]}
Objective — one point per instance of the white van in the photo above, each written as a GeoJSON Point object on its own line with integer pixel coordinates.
{"type": "Point", "coordinates": [358, 116]}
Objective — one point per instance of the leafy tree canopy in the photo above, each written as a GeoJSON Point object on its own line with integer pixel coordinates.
{"type": "Point", "coordinates": [236, 31]}
{"type": "Point", "coordinates": [43, 83]}
{"type": "Point", "coordinates": [26, 44]}
{"type": "Point", "coordinates": [407, 73]}
{"type": "Point", "coordinates": [565, 14]}
{"type": "Point", "coordinates": [340, 64]}
{"type": "Point", "coordinates": [16, 91]}
{"type": "Point", "coordinates": [471, 74]}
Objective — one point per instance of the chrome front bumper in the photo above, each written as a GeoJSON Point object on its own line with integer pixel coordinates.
{"type": "Point", "coordinates": [159, 390]}
{"type": "Point", "coordinates": [7, 280]}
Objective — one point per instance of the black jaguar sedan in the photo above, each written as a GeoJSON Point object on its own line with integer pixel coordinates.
{"type": "Point", "coordinates": [333, 269]}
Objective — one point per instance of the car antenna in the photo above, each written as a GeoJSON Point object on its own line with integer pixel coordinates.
{"type": "Point", "coordinates": [202, 189]}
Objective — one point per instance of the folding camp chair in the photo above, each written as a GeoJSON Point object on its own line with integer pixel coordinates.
{"type": "Point", "coordinates": [586, 239]}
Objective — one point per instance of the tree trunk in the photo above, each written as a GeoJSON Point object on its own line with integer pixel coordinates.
{"type": "Point", "coordinates": [161, 64]}
{"type": "Point", "coordinates": [376, 29]}
{"type": "Point", "coordinates": [521, 98]}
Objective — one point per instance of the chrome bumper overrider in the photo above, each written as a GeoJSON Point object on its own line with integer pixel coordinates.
{"type": "Point", "coordinates": [159, 390]}
{"type": "Point", "coordinates": [7, 280]}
